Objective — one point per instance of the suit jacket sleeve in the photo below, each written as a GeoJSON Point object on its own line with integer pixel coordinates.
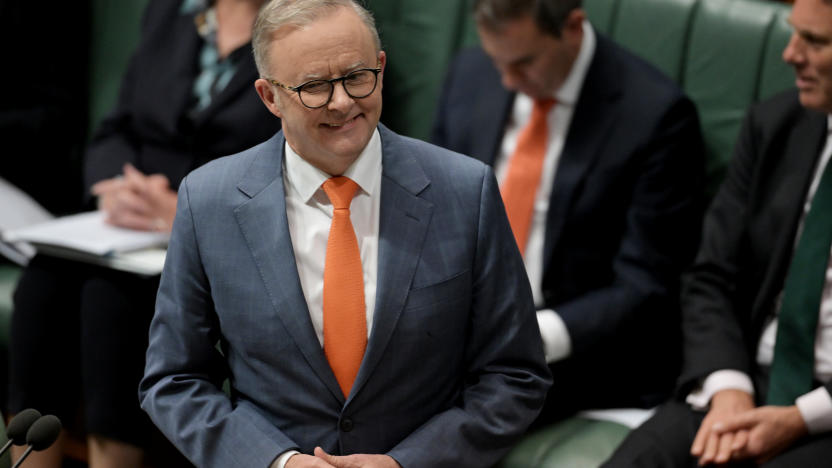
{"type": "Point", "coordinates": [506, 376]}
{"type": "Point", "coordinates": [714, 338]}
{"type": "Point", "coordinates": [184, 373]}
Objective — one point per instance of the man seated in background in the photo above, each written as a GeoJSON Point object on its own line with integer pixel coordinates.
{"type": "Point", "coordinates": [757, 305]}
{"type": "Point", "coordinates": [600, 163]}
{"type": "Point", "coordinates": [370, 305]}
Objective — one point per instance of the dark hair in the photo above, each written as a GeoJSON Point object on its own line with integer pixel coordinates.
{"type": "Point", "coordinates": [549, 15]}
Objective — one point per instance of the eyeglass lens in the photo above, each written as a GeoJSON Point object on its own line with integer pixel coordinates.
{"type": "Point", "coordinates": [358, 84]}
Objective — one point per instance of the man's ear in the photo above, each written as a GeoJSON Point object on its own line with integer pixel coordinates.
{"type": "Point", "coordinates": [382, 60]}
{"type": "Point", "coordinates": [268, 96]}
{"type": "Point", "coordinates": [573, 26]}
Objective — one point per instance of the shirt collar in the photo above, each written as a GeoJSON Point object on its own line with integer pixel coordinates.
{"type": "Point", "coordinates": [571, 87]}
{"type": "Point", "coordinates": [306, 179]}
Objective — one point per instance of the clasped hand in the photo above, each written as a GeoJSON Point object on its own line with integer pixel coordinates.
{"type": "Point", "coordinates": [137, 201]}
{"type": "Point", "coordinates": [734, 429]}
{"type": "Point", "coordinates": [322, 459]}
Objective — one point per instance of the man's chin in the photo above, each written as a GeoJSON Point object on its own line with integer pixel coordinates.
{"type": "Point", "coordinates": [811, 99]}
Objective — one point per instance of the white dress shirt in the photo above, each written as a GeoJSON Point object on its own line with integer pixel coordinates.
{"type": "Point", "coordinates": [556, 342]}
{"type": "Point", "coordinates": [309, 212]}
{"type": "Point", "coordinates": [815, 406]}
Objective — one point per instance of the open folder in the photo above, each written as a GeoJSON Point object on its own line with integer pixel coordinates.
{"type": "Point", "coordinates": [86, 237]}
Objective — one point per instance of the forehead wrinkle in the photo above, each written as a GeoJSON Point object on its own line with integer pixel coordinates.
{"type": "Point", "coordinates": [327, 52]}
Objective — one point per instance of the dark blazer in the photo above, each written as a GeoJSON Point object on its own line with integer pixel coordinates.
{"type": "Point", "coordinates": [748, 238]}
{"type": "Point", "coordinates": [454, 369]}
{"type": "Point", "coordinates": [624, 214]}
{"type": "Point", "coordinates": [150, 126]}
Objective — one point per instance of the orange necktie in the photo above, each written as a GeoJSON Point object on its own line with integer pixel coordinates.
{"type": "Point", "coordinates": [519, 187]}
{"type": "Point", "coordinates": [345, 322]}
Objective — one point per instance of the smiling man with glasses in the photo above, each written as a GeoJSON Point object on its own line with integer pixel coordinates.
{"type": "Point", "coordinates": [370, 304]}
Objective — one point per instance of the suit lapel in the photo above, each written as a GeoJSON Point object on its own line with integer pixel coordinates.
{"type": "Point", "coordinates": [181, 67]}
{"type": "Point", "coordinates": [486, 146]}
{"type": "Point", "coordinates": [264, 225]}
{"type": "Point", "coordinates": [239, 83]}
{"type": "Point", "coordinates": [802, 150]}
{"type": "Point", "coordinates": [584, 142]}
{"type": "Point", "coordinates": [403, 223]}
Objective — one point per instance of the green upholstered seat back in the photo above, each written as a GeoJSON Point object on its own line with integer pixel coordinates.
{"type": "Point", "coordinates": [775, 74]}
{"type": "Point", "coordinates": [602, 13]}
{"type": "Point", "coordinates": [655, 36]}
{"type": "Point", "coordinates": [115, 33]}
{"type": "Point", "coordinates": [725, 56]}
{"type": "Point", "coordinates": [420, 38]}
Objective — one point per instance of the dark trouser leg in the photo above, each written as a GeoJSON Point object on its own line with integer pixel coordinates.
{"type": "Point", "coordinates": [116, 309]}
{"type": "Point", "coordinates": [663, 441]}
{"type": "Point", "coordinates": [44, 345]}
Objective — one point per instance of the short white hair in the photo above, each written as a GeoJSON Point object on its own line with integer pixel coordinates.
{"type": "Point", "coordinates": [277, 14]}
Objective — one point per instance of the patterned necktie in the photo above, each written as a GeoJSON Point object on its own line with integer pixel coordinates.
{"type": "Point", "coordinates": [519, 188]}
{"type": "Point", "coordinates": [792, 368]}
{"type": "Point", "coordinates": [345, 322]}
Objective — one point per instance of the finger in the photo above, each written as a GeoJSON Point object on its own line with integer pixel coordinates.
{"type": "Point", "coordinates": [740, 441]}
{"type": "Point", "coordinates": [134, 178]}
{"type": "Point", "coordinates": [320, 453]}
{"type": "Point", "coordinates": [106, 185]}
{"type": "Point", "coordinates": [698, 446]}
{"type": "Point", "coordinates": [736, 422]}
{"type": "Point", "coordinates": [132, 221]}
{"type": "Point", "coordinates": [159, 180]}
{"type": "Point", "coordinates": [711, 447]}
{"type": "Point", "coordinates": [126, 201]}
{"type": "Point", "coordinates": [723, 453]}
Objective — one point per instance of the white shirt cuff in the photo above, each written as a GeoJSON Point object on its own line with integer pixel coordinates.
{"type": "Point", "coordinates": [725, 379]}
{"type": "Point", "coordinates": [556, 342]}
{"type": "Point", "coordinates": [280, 462]}
{"type": "Point", "coordinates": [816, 409]}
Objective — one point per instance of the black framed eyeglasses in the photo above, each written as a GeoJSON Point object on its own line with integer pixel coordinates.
{"type": "Point", "coordinates": [314, 94]}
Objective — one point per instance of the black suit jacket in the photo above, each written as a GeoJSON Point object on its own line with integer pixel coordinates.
{"type": "Point", "coordinates": [748, 238]}
{"type": "Point", "coordinates": [624, 214]}
{"type": "Point", "coordinates": [150, 126]}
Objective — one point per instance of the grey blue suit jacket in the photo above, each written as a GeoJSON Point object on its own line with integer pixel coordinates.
{"type": "Point", "coordinates": [454, 369]}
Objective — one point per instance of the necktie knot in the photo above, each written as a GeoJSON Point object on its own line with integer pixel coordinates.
{"type": "Point", "coordinates": [543, 106]}
{"type": "Point", "coordinates": [340, 191]}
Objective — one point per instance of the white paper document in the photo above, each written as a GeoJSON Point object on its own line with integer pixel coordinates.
{"type": "Point", "coordinates": [88, 233]}
{"type": "Point", "coordinates": [17, 209]}
{"type": "Point", "coordinates": [88, 238]}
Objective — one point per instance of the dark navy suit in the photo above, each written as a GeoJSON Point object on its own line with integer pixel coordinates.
{"type": "Point", "coordinates": [623, 221]}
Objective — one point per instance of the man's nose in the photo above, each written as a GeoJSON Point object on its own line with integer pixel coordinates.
{"type": "Point", "coordinates": [793, 53]}
{"type": "Point", "coordinates": [340, 99]}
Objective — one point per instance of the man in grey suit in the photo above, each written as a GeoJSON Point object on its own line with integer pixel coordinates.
{"type": "Point", "coordinates": [442, 366]}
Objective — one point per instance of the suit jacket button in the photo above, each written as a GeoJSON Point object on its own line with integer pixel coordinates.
{"type": "Point", "coordinates": [346, 425]}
